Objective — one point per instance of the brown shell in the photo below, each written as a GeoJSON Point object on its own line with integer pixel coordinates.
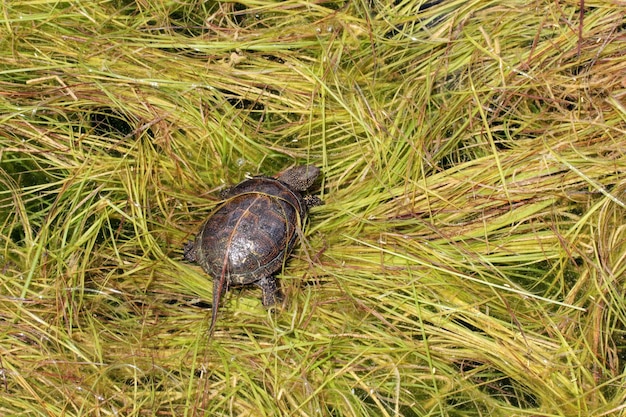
{"type": "Point", "coordinates": [250, 236]}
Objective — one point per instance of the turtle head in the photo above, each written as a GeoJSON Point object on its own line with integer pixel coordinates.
{"type": "Point", "coordinates": [300, 177]}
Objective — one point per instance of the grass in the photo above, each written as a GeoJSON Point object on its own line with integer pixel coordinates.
{"type": "Point", "coordinates": [470, 259]}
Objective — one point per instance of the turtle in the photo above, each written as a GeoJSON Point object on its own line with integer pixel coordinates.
{"type": "Point", "coordinates": [250, 235]}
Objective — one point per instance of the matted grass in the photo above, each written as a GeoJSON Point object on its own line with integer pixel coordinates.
{"type": "Point", "coordinates": [470, 259]}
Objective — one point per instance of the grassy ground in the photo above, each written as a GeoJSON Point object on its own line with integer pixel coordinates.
{"type": "Point", "coordinates": [470, 259]}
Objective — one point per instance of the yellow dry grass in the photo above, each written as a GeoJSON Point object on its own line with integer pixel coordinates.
{"type": "Point", "coordinates": [470, 259]}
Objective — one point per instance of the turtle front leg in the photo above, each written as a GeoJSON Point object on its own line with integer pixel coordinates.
{"type": "Point", "coordinates": [312, 201]}
{"type": "Point", "coordinates": [271, 293]}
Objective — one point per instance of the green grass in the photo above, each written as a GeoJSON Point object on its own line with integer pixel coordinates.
{"type": "Point", "coordinates": [470, 259]}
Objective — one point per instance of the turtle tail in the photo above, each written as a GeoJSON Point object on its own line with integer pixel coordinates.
{"type": "Point", "coordinates": [219, 287]}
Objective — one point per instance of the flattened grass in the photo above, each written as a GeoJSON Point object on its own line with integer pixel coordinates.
{"type": "Point", "coordinates": [470, 258]}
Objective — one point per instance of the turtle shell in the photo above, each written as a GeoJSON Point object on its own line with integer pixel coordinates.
{"type": "Point", "coordinates": [252, 233]}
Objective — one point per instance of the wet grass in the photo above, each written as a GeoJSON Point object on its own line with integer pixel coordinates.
{"type": "Point", "coordinates": [470, 259]}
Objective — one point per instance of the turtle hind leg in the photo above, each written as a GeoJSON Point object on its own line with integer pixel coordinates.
{"type": "Point", "coordinates": [189, 251]}
{"type": "Point", "coordinates": [271, 292]}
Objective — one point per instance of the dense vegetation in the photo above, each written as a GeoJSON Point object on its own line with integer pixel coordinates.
{"type": "Point", "coordinates": [470, 259]}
